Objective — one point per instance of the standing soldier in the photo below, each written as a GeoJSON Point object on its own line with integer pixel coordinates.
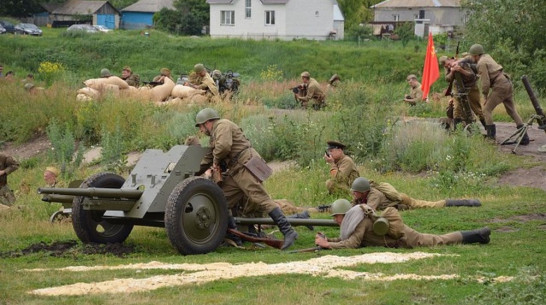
{"type": "Point", "coordinates": [204, 81]}
{"type": "Point", "coordinates": [342, 168]}
{"type": "Point", "coordinates": [131, 78]}
{"type": "Point", "coordinates": [357, 230]}
{"type": "Point", "coordinates": [492, 77]}
{"type": "Point", "coordinates": [416, 93]}
{"type": "Point", "coordinates": [314, 92]}
{"type": "Point", "coordinates": [232, 155]}
{"type": "Point", "coordinates": [470, 94]}
{"type": "Point", "coordinates": [7, 166]}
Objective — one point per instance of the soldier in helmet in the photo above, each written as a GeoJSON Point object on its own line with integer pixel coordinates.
{"type": "Point", "coordinates": [230, 154]}
{"type": "Point", "coordinates": [204, 81]}
{"type": "Point", "coordinates": [131, 78]}
{"type": "Point", "coordinates": [380, 196]}
{"type": "Point", "coordinates": [105, 73]}
{"type": "Point", "coordinates": [467, 70]}
{"type": "Point", "coordinates": [357, 230]}
{"type": "Point", "coordinates": [496, 88]}
{"type": "Point", "coordinates": [342, 168]}
{"type": "Point", "coordinates": [7, 166]}
{"type": "Point", "coordinates": [163, 72]}
{"type": "Point", "coordinates": [416, 93]}
{"type": "Point", "coordinates": [313, 91]}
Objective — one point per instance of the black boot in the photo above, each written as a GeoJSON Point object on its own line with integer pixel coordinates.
{"type": "Point", "coordinates": [483, 122]}
{"type": "Point", "coordinates": [284, 226]}
{"type": "Point", "coordinates": [476, 236]}
{"type": "Point", "coordinates": [232, 225]}
{"type": "Point", "coordinates": [491, 131]}
{"type": "Point", "coordinates": [302, 215]}
{"type": "Point", "coordinates": [525, 140]}
{"type": "Point", "coordinates": [463, 203]}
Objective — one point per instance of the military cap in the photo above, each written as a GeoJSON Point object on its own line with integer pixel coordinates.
{"type": "Point", "coordinates": [411, 76]}
{"type": "Point", "coordinates": [127, 68]}
{"type": "Point", "coordinates": [53, 170]}
{"type": "Point", "coordinates": [105, 73]}
{"type": "Point", "coordinates": [198, 68]}
{"type": "Point", "coordinates": [443, 60]}
{"type": "Point", "coordinates": [305, 74]}
{"type": "Point", "coordinates": [165, 71]}
{"type": "Point", "coordinates": [336, 144]}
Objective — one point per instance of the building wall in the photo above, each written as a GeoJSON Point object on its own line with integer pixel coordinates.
{"type": "Point", "coordinates": [311, 19]}
{"type": "Point", "coordinates": [136, 20]}
{"type": "Point", "coordinates": [446, 16]}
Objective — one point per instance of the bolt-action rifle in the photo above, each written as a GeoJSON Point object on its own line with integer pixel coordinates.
{"type": "Point", "coordinates": [275, 243]}
{"type": "Point", "coordinates": [450, 87]}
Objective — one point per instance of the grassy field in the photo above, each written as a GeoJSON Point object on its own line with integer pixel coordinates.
{"type": "Point", "coordinates": [420, 160]}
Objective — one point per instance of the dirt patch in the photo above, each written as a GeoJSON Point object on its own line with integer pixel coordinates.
{"type": "Point", "coordinates": [537, 136]}
{"type": "Point", "coordinates": [520, 218]}
{"type": "Point", "coordinates": [530, 177]}
{"type": "Point", "coordinates": [70, 247]}
{"type": "Point", "coordinates": [506, 229]}
{"type": "Point", "coordinates": [27, 150]}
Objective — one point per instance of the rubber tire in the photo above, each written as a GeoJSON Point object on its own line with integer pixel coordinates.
{"type": "Point", "coordinates": [180, 215]}
{"type": "Point", "coordinates": [87, 223]}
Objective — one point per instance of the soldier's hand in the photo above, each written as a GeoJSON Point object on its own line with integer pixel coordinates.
{"type": "Point", "coordinates": [208, 173]}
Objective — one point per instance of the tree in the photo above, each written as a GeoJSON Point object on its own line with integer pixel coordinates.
{"type": "Point", "coordinates": [188, 18]}
{"type": "Point", "coordinates": [19, 8]}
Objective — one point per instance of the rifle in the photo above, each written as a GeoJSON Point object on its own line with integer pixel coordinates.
{"type": "Point", "coordinates": [313, 249]}
{"type": "Point", "coordinates": [450, 87]}
{"type": "Point", "coordinates": [275, 243]}
{"type": "Point", "coordinates": [324, 208]}
{"type": "Point", "coordinates": [542, 120]}
{"type": "Point", "coordinates": [152, 83]}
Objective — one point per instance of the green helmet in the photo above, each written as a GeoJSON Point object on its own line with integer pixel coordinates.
{"type": "Point", "coordinates": [360, 184]}
{"type": "Point", "coordinates": [204, 115]}
{"type": "Point", "coordinates": [340, 207]}
{"type": "Point", "coordinates": [105, 73]}
{"type": "Point", "coordinates": [198, 68]}
{"type": "Point", "coordinates": [476, 49]}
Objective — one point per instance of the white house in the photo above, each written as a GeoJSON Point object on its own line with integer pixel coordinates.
{"type": "Point", "coordinates": [436, 16]}
{"type": "Point", "coordinates": [276, 19]}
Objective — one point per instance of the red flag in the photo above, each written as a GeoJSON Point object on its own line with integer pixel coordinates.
{"type": "Point", "coordinates": [430, 72]}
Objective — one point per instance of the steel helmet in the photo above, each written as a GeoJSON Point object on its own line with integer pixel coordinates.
{"type": "Point", "coordinates": [360, 184]}
{"type": "Point", "coordinates": [105, 73]}
{"type": "Point", "coordinates": [198, 68]}
{"type": "Point", "coordinates": [204, 115]}
{"type": "Point", "coordinates": [340, 207]}
{"type": "Point", "coordinates": [305, 74]}
{"type": "Point", "coordinates": [476, 49]}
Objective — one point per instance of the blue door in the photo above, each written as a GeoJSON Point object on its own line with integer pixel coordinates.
{"type": "Point", "coordinates": [108, 21]}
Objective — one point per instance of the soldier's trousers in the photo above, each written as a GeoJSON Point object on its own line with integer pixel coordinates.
{"type": "Point", "coordinates": [413, 238]}
{"type": "Point", "coordinates": [243, 185]}
{"type": "Point", "coordinates": [6, 196]}
{"type": "Point", "coordinates": [474, 103]}
{"type": "Point", "coordinates": [418, 204]}
{"type": "Point", "coordinates": [501, 92]}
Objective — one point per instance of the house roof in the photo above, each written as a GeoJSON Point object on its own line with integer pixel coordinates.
{"type": "Point", "coordinates": [151, 6]}
{"type": "Point", "coordinates": [417, 3]}
{"type": "Point", "coordinates": [338, 15]}
{"type": "Point", "coordinates": [51, 6]}
{"type": "Point", "coordinates": [263, 1]}
{"type": "Point", "coordinates": [78, 7]}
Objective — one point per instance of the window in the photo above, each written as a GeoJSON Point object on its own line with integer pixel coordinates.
{"type": "Point", "coordinates": [396, 17]}
{"type": "Point", "coordinates": [269, 17]}
{"type": "Point", "coordinates": [227, 17]}
{"type": "Point", "coordinates": [248, 9]}
{"type": "Point", "coordinates": [421, 14]}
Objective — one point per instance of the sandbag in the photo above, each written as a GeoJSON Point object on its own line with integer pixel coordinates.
{"type": "Point", "coordinates": [185, 91]}
{"type": "Point", "coordinates": [96, 83]}
{"type": "Point", "coordinates": [388, 190]}
{"type": "Point", "coordinates": [161, 92]}
{"type": "Point", "coordinates": [114, 80]}
{"type": "Point", "coordinates": [93, 93]}
{"type": "Point", "coordinates": [110, 89]}
{"type": "Point", "coordinates": [83, 98]}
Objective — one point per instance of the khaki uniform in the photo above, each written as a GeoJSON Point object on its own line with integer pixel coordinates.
{"type": "Point", "coordinates": [208, 84]}
{"type": "Point", "coordinates": [416, 95]}
{"type": "Point", "coordinates": [9, 165]}
{"type": "Point", "coordinates": [470, 83]}
{"type": "Point", "coordinates": [132, 80]}
{"type": "Point", "coordinates": [493, 78]}
{"type": "Point", "coordinates": [314, 92]}
{"type": "Point", "coordinates": [378, 201]}
{"type": "Point", "coordinates": [346, 173]}
{"type": "Point", "coordinates": [231, 150]}
{"type": "Point", "coordinates": [363, 236]}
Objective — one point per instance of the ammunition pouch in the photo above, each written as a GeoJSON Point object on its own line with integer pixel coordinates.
{"type": "Point", "coordinates": [388, 223]}
{"type": "Point", "coordinates": [259, 169]}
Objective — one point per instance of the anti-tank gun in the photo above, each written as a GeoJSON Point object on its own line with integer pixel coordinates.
{"type": "Point", "coordinates": [161, 191]}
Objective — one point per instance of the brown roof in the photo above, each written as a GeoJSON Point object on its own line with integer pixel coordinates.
{"type": "Point", "coordinates": [417, 3]}
{"type": "Point", "coordinates": [150, 6]}
{"type": "Point", "coordinates": [263, 1]}
{"type": "Point", "coordinates": [78, 7]}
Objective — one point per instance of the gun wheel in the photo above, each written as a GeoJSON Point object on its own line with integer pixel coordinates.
{"type": "Point", "coordinates": [89, 225]}
{"type": "Point", "coordinates": [196, 216]}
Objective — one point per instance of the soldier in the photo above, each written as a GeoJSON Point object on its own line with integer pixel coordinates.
{"type": "Point", "coordinates": [312, 91]}
{"type": "Point", "coordinates": [357, 230]}
{"type": "Point", "coordinates": [342, 168]}
{"type": "Point", "coordinates": [7, 166]}
{"type": "Point", "coordinates": [204, 81]}
{"type": "Point", "coordinates": [382, 195]}
{"type": "Point", "coordinates": [416, 94]}
{"type": "Point", "coordinates": [131, 78]}
{"type": "Point", "coordinates": [230, 153]}
{"type": "Point", "coordinates": [470, 82]}
{"type": "Point", "coordinates": [50, 176]}
{"type": "Point", "coordinates": [492, 77]}
{"type": "Point", "coordinates": [163, 72]}
{"type": "Point", "coordinates": [105, 73]}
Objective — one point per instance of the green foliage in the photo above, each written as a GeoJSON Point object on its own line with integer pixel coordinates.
{"type": "Point", "coordinates": [20, 8]}
{"type": "Point", "coordinates": [405, 32]}
{"type": "Point", "coordinates": [353, 11]}
{"type": "Point", "coordinates": [113, 157]}
{"type": "Point", "coordinates": [272, 73]}
{"type": "Point", "coordinates": [359, 32]}
{"type": "Point", "coordinates": [64, 148]}
{"type": "Point", "coordinates": [188, 19]}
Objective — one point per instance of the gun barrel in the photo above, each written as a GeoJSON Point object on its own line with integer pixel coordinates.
{"type": "Point", "coordinates": [532, 95]}
{"type": "Point", "coordinates": [292, 221]}
{"type": "Point", "coordinates": [93, 192]}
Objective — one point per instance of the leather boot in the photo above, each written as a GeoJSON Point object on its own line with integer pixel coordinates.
{"type": "Point", "coordinates": [476, 236]}
{"type": "Point", "coordinates": [463, 203]}
{"type": "Point", "coordinates": [483, 122]}
{"type": "Point", "coordinates": [284, 226]}
{"type": "Point", "coordinates": [491, 131]}
{"type": "Point", "coordinates": [232, 225]}
{"type": "Point", "coordinates": [302, 215]}
{"type": "Point", "coordinates": [525, 140]}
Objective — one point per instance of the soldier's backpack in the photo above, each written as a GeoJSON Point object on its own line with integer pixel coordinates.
{"type": "Point", "coordinates": [389, 222]}
{"type": "Point", "coordinates": [388, 190]}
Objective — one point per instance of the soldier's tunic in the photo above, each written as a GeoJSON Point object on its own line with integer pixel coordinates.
{"type": "Point", "coordinates": [492, 78]}
{"type": "Point", "coordinates": [363, 236]}
{"type": "Point", "coordinates": [314, 92]}
{"type": "Point", "coordinates": [378, 201]}
{"type": "Point", "coordinates": [132, 80]}
{"type": "Point", "coordinates": [416, 94]}
{"type": "Point", "coordinates": [9, 165]}
{"type": "Point", "coordinates": [231, 149]}
{"type": "Point", "coordinates": [470, 83]}
{"type": "Point", "coordinates": [346, 173]}
{"type": "Point", "coordinates": [209, 85]}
